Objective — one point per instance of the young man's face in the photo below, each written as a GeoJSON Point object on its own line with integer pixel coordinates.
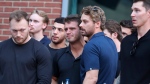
{"type": "Point", "coordinates": [58, 33]}
{"type": "Point", "coordinates": [139, 14]}
{"type": "Point", "coordinates": [73, 32]}
{"type": "Point", "coordinates": [36, 23]}
{"type": "Point", "coordinates": [125, 31]}
{"type": "Point", "coordinates": [19, 31]}
{"type": "Point", "coordinates": [87, 25]}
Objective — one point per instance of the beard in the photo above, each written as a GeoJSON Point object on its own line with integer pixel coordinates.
{"type": "Point", "coordinates": [58, 41]}
{"type": "Point", "coordinates": [20, 40]}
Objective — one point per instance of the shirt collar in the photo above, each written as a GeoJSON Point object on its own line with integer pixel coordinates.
{"type": "Point", "coordinates": [98, 34]}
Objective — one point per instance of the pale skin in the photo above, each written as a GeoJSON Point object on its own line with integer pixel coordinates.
{"type": "Point", "coordinates": [20, 31]}
{"type": "Point", "coordinates": [37, 25]}
{"type": "Point", "coordinates": [140, 18]}
{"type": "Point", "coordinates": [125, 31]}
{"type": "Point", "coordinates": [113, 36]}
{"type": "Point", "coordinates": [91, 76]}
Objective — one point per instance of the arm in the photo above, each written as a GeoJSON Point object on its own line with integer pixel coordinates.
{"type": "Point", "coordinates": [55, 69]}
{"type": "Point", "coordinates": [54, 80]}
{"type": "Point", "coordinates": [91, 77]}
{"type": "Point", "coordinates": [91, 64]}
{"type": "Point", "coordinates": [44, 66]}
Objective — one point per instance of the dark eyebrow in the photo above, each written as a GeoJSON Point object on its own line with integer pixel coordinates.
{"type": "Point", "coordinates": [59, 28]}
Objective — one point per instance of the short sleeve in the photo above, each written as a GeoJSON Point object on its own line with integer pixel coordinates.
{"type": "Point", "coordinates": [90, 57]}
{"type": "Point", "coordinates": [55, 66]}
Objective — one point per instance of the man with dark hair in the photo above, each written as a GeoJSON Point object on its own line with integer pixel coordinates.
{"type": "Point", "coordinates": [135, 54]}
{"type": "Point", "coordinates": [67, 60]}
{"type": "Point", "coordinates": [97, 65]}
{"type": "Point", "coordinates": [23, 60]}
{"type": "Point", "coordinates": [38, 21]}
{"type": "Point", "coordinates": [127, 27]}
{"type": "Point", "coordinates": [57, 36]}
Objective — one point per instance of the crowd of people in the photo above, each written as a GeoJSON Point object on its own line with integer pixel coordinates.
{"type": "Point", "coordinates": [82, 49]}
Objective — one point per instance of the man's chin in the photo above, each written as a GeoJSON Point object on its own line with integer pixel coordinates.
{"type": "Point", "coordinates": [83, 34]}
{"type": "Point", "coordinates": [19, 42]}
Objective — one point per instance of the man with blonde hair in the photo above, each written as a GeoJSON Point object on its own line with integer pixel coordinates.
{"type": "Point", "coordinates": [38, 22]}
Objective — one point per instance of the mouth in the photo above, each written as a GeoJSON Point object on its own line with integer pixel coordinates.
{"type": "Point", "coordinates": [54, 37]}
{"type": "Point", "coordinates": [68, 37]}
{"type": "Point", "coordinates": [133, 21]}
{"type": "Point", "coordinates": [31, 28]}
{"type": "Point", "coordinates": [18, 39]}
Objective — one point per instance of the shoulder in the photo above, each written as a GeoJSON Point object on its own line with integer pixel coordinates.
{"type": "Point", "coordinates": [128, 38]}
{"type": "Point", "coordinates": [99, 42]}
{"type": "Point", "coordinates": [36, 43]}
{"type": "Point", "coordinates": [6, 42]}
{"type": "Point", "coordinates": [38, 46]}
{"type": "Point", "coordinates": [62, 49]}
{"type": "Point", "coordinates": [45, 40]}
{"type": "Point", "coordinates": [60, 52]}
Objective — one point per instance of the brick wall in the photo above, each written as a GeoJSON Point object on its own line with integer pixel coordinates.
{"type": "Point", "coordinates": [51, 7]}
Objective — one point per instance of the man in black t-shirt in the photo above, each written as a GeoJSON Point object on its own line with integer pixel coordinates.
{"type": "Point", "coordinates": [66, 63]}
{"type": "Point", "coordinates": [58, 40]}
{"type": "Point", "coordinates": [135, 48]}
{"type": "Point", "coordinates": [23, 60]}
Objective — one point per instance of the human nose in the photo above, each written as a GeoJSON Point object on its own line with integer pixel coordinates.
{"type": "Point", "coordinates": [30, 22]}
{"type": "Point", "coordinates": [81, 24]}
{"type": "Point", "coordinates": [55, 31]}
{"type": "Point", "coordinates": [132, 14]}
{"type": "Point", "coordinates": [18, 33]}
{"type": "Point", "coordinates": [68, 31]}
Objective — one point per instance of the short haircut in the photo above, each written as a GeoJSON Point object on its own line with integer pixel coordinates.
{"type": "Point", "coordinates": [113, 26]}
{"type": "Point", "coordinates": [71, 18]}
{"type": "Point", "coordinates": [60, 20]}
{"type": "Point", "coordinates": [146, 3]}
{"type": "Point", "coordinates": [42, 14]}
{"type": "Point", "coordinates": [128, 24]}
{"type": "Point", "coordinates": [18, 15]}
{"type": "Point", "coordinates": [96, 14]}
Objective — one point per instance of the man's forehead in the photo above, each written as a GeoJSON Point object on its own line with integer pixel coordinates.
{"type": "Point", "coordinates": [137, 5]}
{"type": "Point", "coordinates": [35, 16]}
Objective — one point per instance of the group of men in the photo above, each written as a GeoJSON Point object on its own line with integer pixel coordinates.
{"type": "Point", "coordinates": [29, 57]}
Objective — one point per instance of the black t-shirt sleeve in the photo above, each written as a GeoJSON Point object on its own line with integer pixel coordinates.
{"type": "Point", "coordinates": [55, 65]}
{"type": "Point", "coordinates": [44, 66]}
{"type": "Point", "coordinates": [56, 58]}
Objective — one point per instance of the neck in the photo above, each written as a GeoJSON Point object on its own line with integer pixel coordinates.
{"type": "Point", "coordinates": [96, 31]}
{"type": "Point", "coordinates": [38, 36]}
{"type": "Point", "coordinates": [143, 29]}
{"type": "Point", "coordinates": [117, 43]}
{"type": "Point", "coordinates": [58, 46]}
{"type": "Point", "coordinates": [77, 48]}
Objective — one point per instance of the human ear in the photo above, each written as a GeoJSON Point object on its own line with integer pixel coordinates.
{"type": "Point", "coordinates": [44, 26]}
{"type": "Point", "coordinates": [97, 24]}
{"type": "Point", "coordinates": [148, 12]}
{"type": "Point", "coordinates": [114, 35]}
